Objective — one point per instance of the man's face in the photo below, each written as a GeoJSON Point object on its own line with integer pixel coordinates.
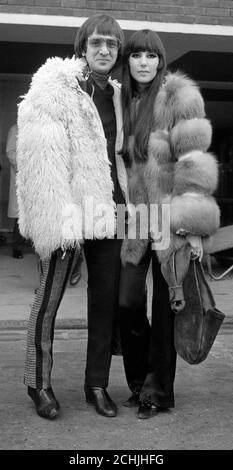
{"type": "Point", "coordinates": [101, 52]}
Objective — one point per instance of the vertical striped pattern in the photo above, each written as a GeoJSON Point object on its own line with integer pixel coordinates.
{"type": "Point", "coordinates": [54, 274]}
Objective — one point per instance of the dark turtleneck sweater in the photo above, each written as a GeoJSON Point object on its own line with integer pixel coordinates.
{"type": "Point", "coordinates": [101, 91]}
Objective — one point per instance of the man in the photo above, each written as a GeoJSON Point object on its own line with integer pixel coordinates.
{"type": "Point", "coordinates": [70, 128]}
{"type": "Point", "coordinates": [18, 241]}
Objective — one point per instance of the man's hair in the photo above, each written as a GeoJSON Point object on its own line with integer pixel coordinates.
{"type": "Point", "coordinates": [142, 123]}
{"type": "Point", "coordinates": [102, 24]}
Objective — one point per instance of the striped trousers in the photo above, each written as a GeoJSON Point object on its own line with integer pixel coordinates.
{"type": "Point", "coordinates": [54, 274]}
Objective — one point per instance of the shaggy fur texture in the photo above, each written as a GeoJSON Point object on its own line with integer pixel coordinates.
{"type": "Point", "coordinates": [63, 160]}
{"type": "Point", "coordinates": [178, 168]}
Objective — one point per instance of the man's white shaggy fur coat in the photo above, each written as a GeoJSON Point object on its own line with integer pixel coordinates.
{"type": "Point", "coordinates": [62, 160]}
{"type": "Point", "coordinates": [178, 170]}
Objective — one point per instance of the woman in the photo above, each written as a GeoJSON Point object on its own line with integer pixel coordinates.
{"type": "Point", "coordinates": [166, 136]}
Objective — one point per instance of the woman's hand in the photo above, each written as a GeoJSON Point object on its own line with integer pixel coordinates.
{"type": "Point", "coordinates": [196, 244]}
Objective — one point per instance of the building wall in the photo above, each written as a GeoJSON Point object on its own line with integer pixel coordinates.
{"type": "Point", "coordinates": [213, 12]}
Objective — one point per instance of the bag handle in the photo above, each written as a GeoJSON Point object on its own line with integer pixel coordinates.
{"type": "Point", "coordinates": [206, 294]}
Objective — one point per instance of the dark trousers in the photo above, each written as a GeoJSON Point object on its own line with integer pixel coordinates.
{"type": "Point", "coordinates": [54, 274]}
{"type": "Point", "coordinates": [103, 263]}
{"type": "Point", "coordinates": [18, 241]}
{"type": "Point", "coordinates": [149, 354]}
{"type": "Point", "coordinates": [134, 324]}
{"type": "Point", "coordinates": [103, 266]}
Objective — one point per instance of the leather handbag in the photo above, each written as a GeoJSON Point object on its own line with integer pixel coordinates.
{"type": "Point", "coordinates": [197, 320]}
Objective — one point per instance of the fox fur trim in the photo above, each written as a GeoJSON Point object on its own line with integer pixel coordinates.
{"type": "Point", "coordinates": [179, 98]}
{"type": "Point", "coordinates": [196, 171]}
{"type": "Point", "coordinates": [195, 213]}
{"type": "Point", "coordinates": [191, 134]}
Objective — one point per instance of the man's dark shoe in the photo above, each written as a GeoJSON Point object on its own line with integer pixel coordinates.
{"type": "Point", "coordinates": [17, 253]}
{"type": "Point", "coordinates": [45, 402]}
{"type": "Point", "coordinates": [133, 400]}
{"type": "Point", "coordinates": [148, 410]}
{"type": "Point", "coordinates": [101, 400]}
{"type": "Point", "coordinates": [75, 278]}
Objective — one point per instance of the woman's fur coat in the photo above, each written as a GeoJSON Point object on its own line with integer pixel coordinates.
{"type": "Point", "coordinates": [64, 170]}
{"type": "Point", "coordinates": [179, 171]}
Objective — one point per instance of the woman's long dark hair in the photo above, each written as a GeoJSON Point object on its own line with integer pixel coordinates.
{"type": "Point", "coordinates": [140, 126]}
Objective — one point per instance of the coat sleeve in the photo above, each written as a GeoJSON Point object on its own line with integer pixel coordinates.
{"type": "Point", "coordinates": [193, 208]}
{"type": "Point", "coordinates": [47, 212]}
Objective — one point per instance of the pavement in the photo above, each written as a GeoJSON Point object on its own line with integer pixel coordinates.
{"type": "Point", "coordinates": [201, 420]}
{"type": "Point", "coordinates": [19, 279]}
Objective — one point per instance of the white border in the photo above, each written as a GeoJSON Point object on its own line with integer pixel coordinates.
{"type": "Point", "coordinates": [75, 22]}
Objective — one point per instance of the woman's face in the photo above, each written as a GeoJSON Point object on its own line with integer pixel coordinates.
{"type": "Point", "coordinates": [143, 66]}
